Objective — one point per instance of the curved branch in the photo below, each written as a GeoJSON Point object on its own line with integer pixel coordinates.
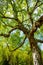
{"type": "Point", "coordinates": [7, 35]}
{"type": "Point", "coordinates": [21, 44]}
{"type": "Point", "coordinates": [20, 26]}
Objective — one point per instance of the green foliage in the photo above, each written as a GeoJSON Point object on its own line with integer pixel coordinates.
{"type": "Point", "coordinates": [18, 9]}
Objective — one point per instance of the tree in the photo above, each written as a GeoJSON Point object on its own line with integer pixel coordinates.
{"type": "Point", "coordinates": [22, 15]}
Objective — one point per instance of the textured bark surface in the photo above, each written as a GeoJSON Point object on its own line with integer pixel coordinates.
{"type": "Point", "coordinates": [36, 57]}
{"type": "Point", "coordinates": [36, 52]}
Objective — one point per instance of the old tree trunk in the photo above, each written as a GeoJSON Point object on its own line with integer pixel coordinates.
{"type": "Point", "coordinates": [36, 52]}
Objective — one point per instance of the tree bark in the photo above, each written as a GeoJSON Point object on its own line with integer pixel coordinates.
{"type": "Point", "coordinates": [36, 52]}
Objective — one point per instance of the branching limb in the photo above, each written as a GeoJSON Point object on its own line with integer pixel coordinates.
{"type": "Point", "coordinates": [29, 13]}
{"type": "Point", "coordinates": [7, 35]}
{"type": "Point", "coordinates": [38, 40]}
{"type": "Point", "coordinates": [20, 27]}
{"type": "Point", "coordinates": [36, 25]}
{"type": "Point", "coordinates": [36, 6]}
{"type": "Point", "coordinates": [39, 5]}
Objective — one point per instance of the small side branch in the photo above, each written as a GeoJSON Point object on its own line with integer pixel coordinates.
{"type": "Point", "coordinates": [39, 22]}
{"type": "Point", "coordinates": [7, 35]}
{"type": "Point", "coordinates": [38, 40]}
{"type": "Point", "coordinates": [29, 13]}
{"type": "Point", "coordinates": [4, 35]}
{"type": "Point", "coordinates": [36, 6]}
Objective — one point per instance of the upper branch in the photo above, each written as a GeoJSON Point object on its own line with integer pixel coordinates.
{"type": "Point", "coordinates": [36, 6]}
{"type": "Point", "coordinates": [29, 13]}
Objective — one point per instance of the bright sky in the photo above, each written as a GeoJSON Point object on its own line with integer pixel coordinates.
{"type": "Point", "coordinates": [42, 47]}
